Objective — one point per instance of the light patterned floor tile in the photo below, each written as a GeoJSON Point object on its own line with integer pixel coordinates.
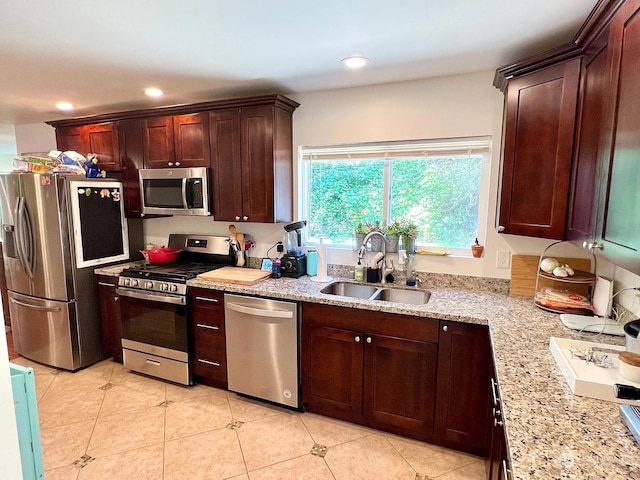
{"type": "Point", "coordinates": [62, 445]}
{"type": "Point", "coordinates": [473, 471]}
{"type": "Point", "coordinates": [197, 415]}
{"type": "Point", "coordinates": [123, 377]}
{"type": "Point", "coordinates": [37, 367]}
{"type": "Point", "coordinates": [429, 459]}
{"type": "Point", "coordinates": [64, 473]}
{"type": "Point", "coordinates": [273, 439]}
{"type": "Point", "coordinates": [43, 382]}
{"type": "Point", "coordinates": [368, 458]}
{"type": "Point", "coordinates": [301, 468]}
{"type": "Point", "coordinates": [142, 464]}
{"type": "Point", "coordinates": [127, 431]}
{"type": "Point", "coordinates": [208, 456]}
{"type": "Point", "coordinates": [178, 393]}
{"type": "Point", "coordinates": [91, 377]}
{"type": "Point", "coordinates": [122, 399]}
{"type": "Point", "coordinates": [329, 432]}
{"type": "Point", "coordinates": [247, 410]}
{"type": "Point", "coordinates": [62, 404]}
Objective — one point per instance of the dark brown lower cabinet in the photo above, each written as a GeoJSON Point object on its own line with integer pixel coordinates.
{"type": "Point", "coordinates": [209, 361]}
{"type": "Point", "coordinates": [462, 403]}
{"type": "Point", "coordinates": [375, 369]}
{"type": "Point", "coordinates": [110, 317]}
{"type": "Point", "coordinates": [498, 466]}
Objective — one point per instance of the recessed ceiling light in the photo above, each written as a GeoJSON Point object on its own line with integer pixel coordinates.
{"type": "Point", "coordinates": [153, 92]}
{"type": "Point", "coordinates": [355, 61]}
{"type": "Point", "coordinates": [64, 106]}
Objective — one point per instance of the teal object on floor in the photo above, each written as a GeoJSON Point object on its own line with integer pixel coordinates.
{"type": "Point", "coordinates": [23, 384]}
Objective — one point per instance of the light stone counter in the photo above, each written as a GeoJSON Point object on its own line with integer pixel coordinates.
{"type": "Point", "coordinates": [551, 433]}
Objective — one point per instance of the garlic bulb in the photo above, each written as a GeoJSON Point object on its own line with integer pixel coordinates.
{"type": "Point", "coordinates": [560, 272]}
{"type": "Point", "coordinates": [569, 270]}
{"type": "Point", "coordinates": [548, 264]}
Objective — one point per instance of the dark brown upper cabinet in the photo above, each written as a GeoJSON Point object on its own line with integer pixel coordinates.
{"type": "Point", "coordinates": [252, 163]}
{"type": "Point", "coordinates": [540, 113]}
{"type": "Point", "coordinates": [179, 141]}
{"type": "Point", "coordinates": [100, 139]}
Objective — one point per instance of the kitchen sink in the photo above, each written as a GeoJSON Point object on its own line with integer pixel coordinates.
{"type": "Point", "coordinates": [384, 294]}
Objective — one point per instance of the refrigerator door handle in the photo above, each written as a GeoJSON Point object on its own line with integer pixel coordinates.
{"type": "Point", "coordinates": [24, 237]}
{"type": "Point", "coordinates": [35, 307]}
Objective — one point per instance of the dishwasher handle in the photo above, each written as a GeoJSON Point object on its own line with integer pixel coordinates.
{"type": "Point", "coordinates": [259, 312]}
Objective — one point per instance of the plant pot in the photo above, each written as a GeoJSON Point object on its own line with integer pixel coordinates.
{"type": "Point", "coordinates": [377, 243]}
{"type": "Point", "coordinates": [476, 251]}
{"type": "Point", "coordinates": [409, 244]}
{"type": "Point", "coordinates": [359, 240]}
{"type": "Point", "coordinates": [392, 243]}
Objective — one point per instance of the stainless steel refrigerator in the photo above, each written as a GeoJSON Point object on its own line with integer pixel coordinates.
{"type": "Point", "coordinates": [55, 230]}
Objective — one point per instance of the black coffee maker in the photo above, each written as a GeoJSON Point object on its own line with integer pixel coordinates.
{"type": "Point", "coordinates": [294, 262]}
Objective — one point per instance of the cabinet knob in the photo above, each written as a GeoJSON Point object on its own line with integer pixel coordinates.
{"type": "Point", "coordinates": [445, 328]}
{"type": "Point", "coordinates": [368, 339]}
{"type": "Point", "coordinates": [497, 423]}
{"type": "Point", "coordinates": [357, 339]}
{"type": "Point", "coordinates": [592, 245]}
{"type": "Point", "coordinates": [501, 228]}
{"type": "Point", "coordinates": [115, 299]}
{"type": "Point", "coordinates": [177, 164]}
{"type": "Point", "coordinates": [237, 217]}
{"type": "Point", "coordinates": [245, 218]}
{"type": "Point", "coordinates": [171, 164]}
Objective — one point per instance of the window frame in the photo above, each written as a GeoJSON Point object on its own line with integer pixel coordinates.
{"type": "Point", "coordinates": [479, 145]}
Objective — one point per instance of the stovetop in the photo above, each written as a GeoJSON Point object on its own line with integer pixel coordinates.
{"type": "Point", "coordinates": [178, 272]}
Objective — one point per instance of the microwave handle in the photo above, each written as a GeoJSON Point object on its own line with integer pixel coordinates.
{"type": "Point", "coordinates": [185, 203]}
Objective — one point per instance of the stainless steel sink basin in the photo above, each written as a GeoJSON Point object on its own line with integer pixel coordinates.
{"type": "Point", "coordinates": [346, 289]}
{"type": "Point", "coordinates": [414, 297]}
{"type": "Point", "coordinates": [384, 294]}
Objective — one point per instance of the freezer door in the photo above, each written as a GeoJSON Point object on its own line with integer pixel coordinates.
{"type": "Point", "coordinates": [45, 331]}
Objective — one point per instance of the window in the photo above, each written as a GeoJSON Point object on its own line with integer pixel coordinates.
{"type": "Point", "coordinates": [437, 184]}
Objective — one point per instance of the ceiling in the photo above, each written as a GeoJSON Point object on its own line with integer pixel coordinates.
{"type": "Point", "coordinates": [100, 55]}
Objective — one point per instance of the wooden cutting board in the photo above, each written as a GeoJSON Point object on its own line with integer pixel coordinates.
{"type": "Point", "coordinates": [237, 275]}
{"type": "Point", "coordinates": [524, 269]}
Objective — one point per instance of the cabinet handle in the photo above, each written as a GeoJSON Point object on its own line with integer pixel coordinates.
{"type": "Point", "coordinates": [153, 362]}
{"type": "Point", "coordinates": [210, 327]}
{"type": "Point", "coordinates": [494, 392]}
{"type": "Point", "coordinates": [446, 329]}
{"type": "Point", "coordinates": [208, 362]}
{"type": "Point", "coordinates": [237, 217]}
{"type": "Point", "coordinates": [506, 473]}
{"type": "Point", "coordinates": [105, 284]}
{"type": "Point", "coordinates": [207, 299]}
{"type": "Point", "coordinates": [592, 245]}
{"type": "Point", "coordinates": [368, 339]}
{"type": "Point", "coordinates": [357, 339]}
{"type": "Point", "coordinates": [501, 228]}
{"type": "Point", "coordinates": [245, 218]}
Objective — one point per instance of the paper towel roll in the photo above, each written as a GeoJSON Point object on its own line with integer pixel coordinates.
{"type": "Point", "coordinates": [322, 265]}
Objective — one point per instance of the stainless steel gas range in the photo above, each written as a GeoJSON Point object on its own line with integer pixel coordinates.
{"type": "Point", "coordinates": [153, 302]}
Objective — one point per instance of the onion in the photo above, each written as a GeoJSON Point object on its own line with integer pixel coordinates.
{"type": "Point", "coordinates": [548, 264]}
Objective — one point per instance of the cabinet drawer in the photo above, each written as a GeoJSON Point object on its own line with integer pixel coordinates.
{"type": "Point", "coordinates": [208, 329]}
{"type": "Point", "coordinates": [203, 299]}
{"type": "Point", "coordinates": [210, 360]}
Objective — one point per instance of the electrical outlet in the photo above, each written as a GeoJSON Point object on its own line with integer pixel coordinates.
{"type": "Point", "coordinates": [503, 259]}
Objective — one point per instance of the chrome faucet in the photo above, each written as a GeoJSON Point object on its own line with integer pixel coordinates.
{"type": "Point", "coordinates": [386, 270]}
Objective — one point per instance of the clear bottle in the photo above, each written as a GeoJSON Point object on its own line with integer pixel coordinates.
{"type": "Point", "coordinates": [410, 271]}
{"type": "Point", "coordinates": [359, 272]}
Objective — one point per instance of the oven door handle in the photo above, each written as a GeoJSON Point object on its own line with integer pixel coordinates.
{"type": "Point", "coordinates": [153, 297]}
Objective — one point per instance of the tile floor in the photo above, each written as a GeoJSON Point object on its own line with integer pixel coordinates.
{"type": "Point", "coordinates": [105, 422]}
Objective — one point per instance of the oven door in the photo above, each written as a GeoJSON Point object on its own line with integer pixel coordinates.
{"type": "Point", "coordinates": [154, 319]}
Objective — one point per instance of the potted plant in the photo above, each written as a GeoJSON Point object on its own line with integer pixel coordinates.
{"type": "Point", "coordinates": [409, 233]}
{"type": "Point", "coordinates": [361, 231]}
{"type": "Point", "coordinates": [392, 236]}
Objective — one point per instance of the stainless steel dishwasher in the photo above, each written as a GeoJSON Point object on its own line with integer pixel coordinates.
{"type": "Point", "coordinates": [262, 348]}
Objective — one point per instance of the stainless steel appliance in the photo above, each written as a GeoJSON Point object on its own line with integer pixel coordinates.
{"type": "Point", "coordinates": [55, 229]}
{"type": "Point", "coordinates": [262, 348]}
{"type": "Point", "coordinates": [175, 191]}
{"type": "Point", "coordinates": [153, 304]}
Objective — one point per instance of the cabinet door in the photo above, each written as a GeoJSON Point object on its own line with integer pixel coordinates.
{"type": "Point", "coordinates": [257, 164]}
{"type": "Point", "coordinates": [462, 392]}
{"type": "Point", "coordinates": [191, 133]}
{"type": "Point", "coordinates": [540, 112]}
{"type": "Point", "coordinates": [110, 317]}
{"type": "Point", "coordinates": [102, 140]}
{"type": "Point", "coordinates": [399, 376]}
{"type": "Point", "coordinates": [72, 138]}
{"type": "Point", "coordinates": [226, 165]}
{"type": "Point", "coordinates": [618, 225]}
{"type": "Point", "coordinates": [131, 160]}
{"type": "Point", "coordinates": [594, 80]}
{"type": "Point", "coordinates": [332, 372]}
{"type": "Point", "coordinates": [159, 148]}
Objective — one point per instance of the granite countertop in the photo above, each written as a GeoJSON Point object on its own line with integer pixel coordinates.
{"type": "Point", "coordinates": [551, 433]}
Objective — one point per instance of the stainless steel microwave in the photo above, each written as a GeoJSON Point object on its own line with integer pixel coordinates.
{"type": "Point", "coordinates": [175, 191]}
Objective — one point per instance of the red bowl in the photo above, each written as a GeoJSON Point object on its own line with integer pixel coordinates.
{"type": "Point", "coordinates": [161, 255]}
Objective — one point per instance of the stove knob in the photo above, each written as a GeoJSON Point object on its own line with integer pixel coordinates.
{"type": "Point", "coordinates": [164, 287]}
{"type": "Point", "coordinates": [174, 288]}
{"type": "Point", "coordinates": [148, 285]}
{"type": "Point", "coordinates": [127, 282]}
{"type": "Point", "coordinates": [134, 283]}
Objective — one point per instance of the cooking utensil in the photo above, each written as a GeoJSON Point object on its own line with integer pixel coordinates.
{"type": "Point", "coordinates": [161, 255]}
{"type": "Point", "coordinates": [232, 232]}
